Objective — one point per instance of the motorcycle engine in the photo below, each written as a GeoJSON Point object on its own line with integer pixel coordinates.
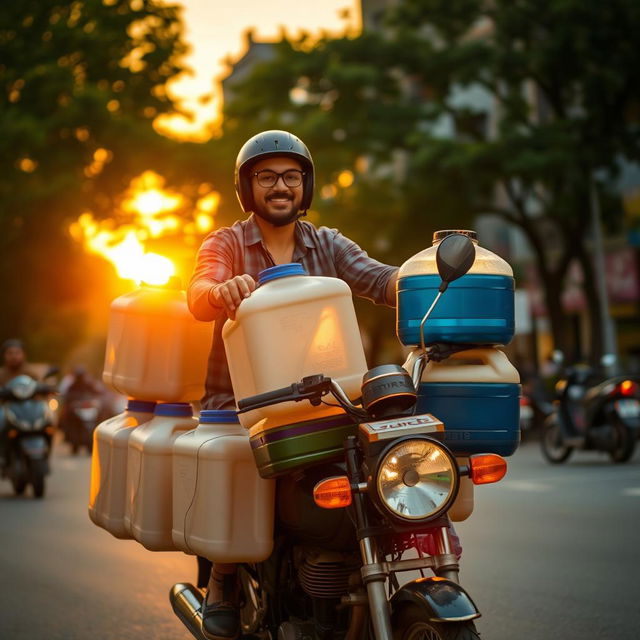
{"type": "Point", "coordinates": [326, 574]}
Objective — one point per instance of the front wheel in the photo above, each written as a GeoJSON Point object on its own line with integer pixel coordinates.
{"type": "Point", "coordinates": [412, 623]}
{"type": "Point", "coordinates": [553, 448]}
{"type": "Point", "coordinates": [38, 473]}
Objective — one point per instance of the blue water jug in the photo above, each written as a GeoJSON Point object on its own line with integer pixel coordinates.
{"type": "Point", "coordinates": [478, 308]}
{"type": "Point", "coordinates": [476, 394]}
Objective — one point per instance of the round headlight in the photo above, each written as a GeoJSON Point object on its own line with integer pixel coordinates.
{"type": "Point", "coordinates": [417, 479]}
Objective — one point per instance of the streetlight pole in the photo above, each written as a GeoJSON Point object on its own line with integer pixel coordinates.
{"type": "Point", "coordinates": [610, 342]}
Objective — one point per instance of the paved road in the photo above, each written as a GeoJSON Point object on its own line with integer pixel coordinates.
{"type": "Point", "coordinates": [551, 552]}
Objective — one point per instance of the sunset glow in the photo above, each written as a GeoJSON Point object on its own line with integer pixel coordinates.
{"type": "Point", "coordinates": [148, 211]}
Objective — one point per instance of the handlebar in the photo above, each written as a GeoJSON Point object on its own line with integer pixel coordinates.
{"type": "Point", "coordinates": [311, 388]}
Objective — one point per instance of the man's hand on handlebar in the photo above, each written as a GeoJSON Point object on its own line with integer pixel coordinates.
{"type": "Point", "coordinates": [229, 294]}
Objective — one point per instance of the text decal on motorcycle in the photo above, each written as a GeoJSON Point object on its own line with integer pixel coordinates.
{"type": "Point", "coordinates": [383, 429]}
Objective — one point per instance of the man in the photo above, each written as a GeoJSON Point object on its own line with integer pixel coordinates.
{"type": "Point", "coordinates": [14, 362]}
{"type": "Point", "coordinates": [274, 179]}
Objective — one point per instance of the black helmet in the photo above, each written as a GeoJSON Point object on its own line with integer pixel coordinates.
{"type": "Point", "coordinates": [263, 145]}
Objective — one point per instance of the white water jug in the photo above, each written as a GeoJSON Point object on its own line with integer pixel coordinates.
{"type": "Point", "coordinates": [222, 509]}
{"type": "Point", "coordinates": [148, 514]}
{"type": "Point", "coordinates": [107, 495]}
{"type": "Point", "coordinates": [293, 325]}
{"type": "Point", "coordinates": [156, 350]}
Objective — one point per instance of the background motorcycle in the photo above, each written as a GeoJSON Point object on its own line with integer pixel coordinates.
{"type": "Point", "coordinates": [28, 425]}
{"type": "Point", "coordinates": [592, 414]}
{"type": "Point", "coordinates": [334, 574]}
{"type": "Point", "coordinates": [82, 410]}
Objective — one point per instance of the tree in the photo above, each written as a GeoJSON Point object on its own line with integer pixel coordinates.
{"type": "Point", "coordinates": [563, 77]}
{"type": "Point", "coordinates": [82, 83]}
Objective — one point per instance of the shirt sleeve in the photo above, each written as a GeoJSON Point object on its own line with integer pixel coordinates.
{"type": "Point", "coordinates": [367, 277]}
{"type": "Point", "coordinates": [214, 264]}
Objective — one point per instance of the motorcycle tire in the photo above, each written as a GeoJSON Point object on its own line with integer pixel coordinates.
{"type": "Point", "coordinates": [19, 485]}
{"type": "Point", "coordinates": [625, 442]}
{"type": "Point", "coordinates": [38, 473]}
{"type": "Point", "coordinates": [412, 623]}
{"type": "Point", "coordinates": [551, 442]}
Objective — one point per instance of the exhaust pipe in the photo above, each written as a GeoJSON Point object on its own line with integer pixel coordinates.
{"type": "Point", "coordinates": [186, 601]}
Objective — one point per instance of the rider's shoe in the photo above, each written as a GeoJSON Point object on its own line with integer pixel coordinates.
{"type": "Point", "coordinates": [221, 619]}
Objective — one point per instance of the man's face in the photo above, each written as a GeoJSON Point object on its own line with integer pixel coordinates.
{"type": "Point", "coordinates": [13, 357]}
{"type": "Point", "coordinates": [279, 202]}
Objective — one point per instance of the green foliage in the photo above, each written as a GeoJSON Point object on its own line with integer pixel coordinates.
{"type": "Point", "coordinates": [76, 78]}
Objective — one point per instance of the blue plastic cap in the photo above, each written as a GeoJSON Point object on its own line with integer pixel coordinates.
{"type": "Point", "coordinates": [141, 406]}
{"type": "Point", "coordinates": [281, 271]}
{"type": "Point", "coordinates": [218, 416]}
{"type": "Point", "coordinates": [174, 409]}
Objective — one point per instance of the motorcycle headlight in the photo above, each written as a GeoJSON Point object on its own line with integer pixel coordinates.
{"type": "Point", "coordinates": [417, 479]}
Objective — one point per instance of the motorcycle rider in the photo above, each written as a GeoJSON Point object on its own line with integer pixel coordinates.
{"type": "Point", "coordinates": [76, 386]}
{"type": "Point", "coordinates": [274, 179]}
{"type": "Point", "coordinates": [14, 363]}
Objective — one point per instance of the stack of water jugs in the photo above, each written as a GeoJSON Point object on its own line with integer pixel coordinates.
{"type": "Point", "coordinates": [159, 475]}
{"type": "Point", "coordinates": [475, 392]}
{"type": "Point", "coordinates": [205, 485]}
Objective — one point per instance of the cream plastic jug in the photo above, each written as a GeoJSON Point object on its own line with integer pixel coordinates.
{"type": "Point", "coordinates": [156, 350]}
{"type": "Point", "coordinates": [478, 308]}
{"type": "Point", "coordinates": [222, 509]}
{"type": "Point", "coordinates": [107, 495]}
{"type": "Point", "coordinates": [148, 514]}
{"type": "Point", "coordinates": [476, 394]}
{"type": "Point", "coordinates": [293, 325]}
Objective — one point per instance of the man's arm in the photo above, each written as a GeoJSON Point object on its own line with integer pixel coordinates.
{"type": "Point", "coordinates": [213, 290]}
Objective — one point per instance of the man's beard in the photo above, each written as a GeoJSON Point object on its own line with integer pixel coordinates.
{"type": "Point", "coordinates": [278, 220]}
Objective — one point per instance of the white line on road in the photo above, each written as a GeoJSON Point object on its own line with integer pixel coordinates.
{"type": "Point", "coordinates": [631, 491]}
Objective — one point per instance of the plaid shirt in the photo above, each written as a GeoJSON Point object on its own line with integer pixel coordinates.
{"type": "Point", "coordinates": [236, 250]}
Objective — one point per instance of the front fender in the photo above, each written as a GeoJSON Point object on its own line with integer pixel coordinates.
{"type": "Point", "coordinates": [441, 599]}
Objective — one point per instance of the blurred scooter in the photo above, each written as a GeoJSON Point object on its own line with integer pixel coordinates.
{"type": "Point", "coordinates": [28, 422]}
{"type": "Point", "coordinates": [592, 414]}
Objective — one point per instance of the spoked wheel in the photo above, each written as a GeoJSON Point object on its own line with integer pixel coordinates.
{"type": "Point", "coordinates": [553, 449]}
{"type": "Point", "coordinates": [411, 623]}
{"type": "Point", "coordinates": [625, 442]}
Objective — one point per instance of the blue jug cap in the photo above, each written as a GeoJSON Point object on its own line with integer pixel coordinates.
{"type": "Point", "coordinates": [174, 409]}
{"type": "Point", "coordinates": [140, 406]}
{"type": "Point", "coordinates": [281, 271]}
{"type": "Point", "coordinates": [217, 416]}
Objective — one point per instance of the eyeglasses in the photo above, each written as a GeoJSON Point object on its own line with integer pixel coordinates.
{"type": "Point", "coordinates": [267, 178]}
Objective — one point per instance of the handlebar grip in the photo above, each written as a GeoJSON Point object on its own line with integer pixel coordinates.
{"type": "Point", "coordinates": [268, 397]}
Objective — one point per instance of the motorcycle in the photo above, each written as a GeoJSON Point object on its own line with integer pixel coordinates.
{"type": "Point", "coordinates": [592, 415]}
{"type": "Point", "coordinates": [347, 530]}
{"type": "Point", "coordinates": [81, 417]}
{"type": "Point", "coordinates": [28, 422]}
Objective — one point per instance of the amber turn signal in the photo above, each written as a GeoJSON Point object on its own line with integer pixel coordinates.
{"type": "Point", "coordinates": [487, 468]}
{"type": "Point", "coordinates": [333, 493]}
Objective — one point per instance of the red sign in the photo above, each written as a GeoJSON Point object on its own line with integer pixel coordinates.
{"type": "Point", "coordinates": [622, 278]}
